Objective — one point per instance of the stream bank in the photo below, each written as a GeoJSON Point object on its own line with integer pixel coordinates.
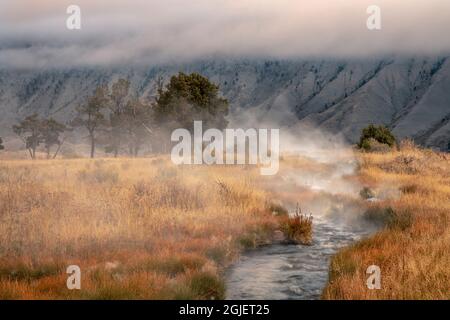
{"type": "Point", "coordinates": [291, 272]}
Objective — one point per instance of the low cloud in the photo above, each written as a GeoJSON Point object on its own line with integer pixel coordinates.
{"type": "Point", "coordinates": [33, 34]}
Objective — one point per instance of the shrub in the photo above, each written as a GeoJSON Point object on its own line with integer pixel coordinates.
{"type": "Point", "coordinates": [207, 286]}
{"type": "Point", "coordinates": [380, 134]}
{"type": "Point", "coordinates": [172, 266]}
{"type": "Point", "coordinates": [30, 272]}
{"type": "Point", "coordinates": [367, 193]}
{"type": "Point", "coordinates": [365, 144]}
{"type": "Point", "coordinates": [278, 209]}
{"type": "Point", "coordinates": [247, 241]}
{"type": "Point", "coordinates": [389, 218]}
{"type": "Point", "coordinates": [297, 229]}
{"type": "Point", "coordinates": [380, 215]}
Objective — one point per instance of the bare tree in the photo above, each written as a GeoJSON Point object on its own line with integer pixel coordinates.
{"type": "Point", "coordinates": [91, 116]}
{"type": "Point", "coordinates": [136, 121]}
{"type": "Point", "coordinates": [118, 97]}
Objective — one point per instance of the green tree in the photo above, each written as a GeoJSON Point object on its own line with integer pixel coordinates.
{"type": "Point", "coordinates": [380, 134]}
{"type": "Point", "coordinates": [91, 115]}
{"type": "Point", "coordinates": [29, 130]}
{"type": "Point", "coordinates": [190, 97]}
{"type": "Point", "coordinates": [51, 131]}
{"type": "Point", "coordinates": [34, 131]}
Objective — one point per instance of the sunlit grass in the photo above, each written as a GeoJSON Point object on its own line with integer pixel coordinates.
{"type": "Point", "coordinates": [146, 229]}
{"type": "Point", "coordinates": [413, 248]}
{"type": "Point", "coordinates": [138, 228]}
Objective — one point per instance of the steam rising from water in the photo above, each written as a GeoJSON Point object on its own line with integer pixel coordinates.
{"type": "Point", "coordinates": [317, 168]}
{"type": "Point", "coordinates": [317, 172]}
{"type": "Point", "coordinates": [323, 161]}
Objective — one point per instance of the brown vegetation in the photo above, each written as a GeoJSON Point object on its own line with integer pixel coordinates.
{"type": "Point", "coordinates": [298, 228]}
{"type": "Point", "coordinates": [146, 229]}
{"type": "Point", "coordinates": [138, 228]}
{"type": "Point", "coordinates": [413, 248]}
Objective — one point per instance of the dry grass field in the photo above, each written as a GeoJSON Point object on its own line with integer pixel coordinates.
{"type": "Point", "coordinates": [413, 247]}
{"type": "Point", "coordinates": [138, 228]}
{"type": "Point", "coordinates": [146, 229]}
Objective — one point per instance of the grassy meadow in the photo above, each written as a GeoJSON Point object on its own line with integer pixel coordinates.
{"type": "Point", "coordinates": [146, 229]}
{"type": "Point", "coordinates": [413, 247]}
{"type": "Point", "coordinates": [138, 228]}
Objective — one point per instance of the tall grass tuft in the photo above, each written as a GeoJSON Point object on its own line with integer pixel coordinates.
{"type": "Point", "coordinates": [298, 228]}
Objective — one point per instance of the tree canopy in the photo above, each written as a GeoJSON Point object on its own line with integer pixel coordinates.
{"type": "Point", "coordinates": [33, 131]}
{"type": "Point", "coordinates": [189, 97]}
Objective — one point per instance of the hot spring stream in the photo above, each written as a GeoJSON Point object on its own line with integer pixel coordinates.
{"type": "Point", "coordinates": [290, 271]}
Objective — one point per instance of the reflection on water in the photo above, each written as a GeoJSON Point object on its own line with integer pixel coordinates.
{"type": "Point", "coordinates": [290, 271]}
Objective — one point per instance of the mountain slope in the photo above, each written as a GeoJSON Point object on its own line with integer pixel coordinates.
{"type": "Point", "coordinates": [410, 95]}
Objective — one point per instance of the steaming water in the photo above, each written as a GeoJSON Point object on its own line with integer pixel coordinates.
{"type": "Point", "coordinates": [290, 271]}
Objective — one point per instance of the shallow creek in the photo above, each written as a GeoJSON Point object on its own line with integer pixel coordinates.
{"type": "Point", "coordinates": [290, 271]}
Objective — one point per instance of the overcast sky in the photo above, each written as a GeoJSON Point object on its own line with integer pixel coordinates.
{"type": "Point", "coordinates": [33, 33]}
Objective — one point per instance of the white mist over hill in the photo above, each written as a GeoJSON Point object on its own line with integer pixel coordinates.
{"type": "Point", "coordinates": [287, 63]}
{"type": "Point", "coordinates": [33, 34]}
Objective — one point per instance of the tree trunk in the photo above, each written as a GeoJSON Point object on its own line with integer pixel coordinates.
{"type": "Point", "coordinates": [59, 147]}
{"type": "Point", "coordinates": [92, 146]}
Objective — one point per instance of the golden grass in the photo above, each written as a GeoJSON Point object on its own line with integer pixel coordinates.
{"type": "Point", "coordinates": [413, 248]}
{"type": "Point", "coordinates": [138, 228]}
{"type": "Point", "coordinates": [146, 229]}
